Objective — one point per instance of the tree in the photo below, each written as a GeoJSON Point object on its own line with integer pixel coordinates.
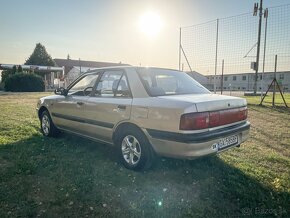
{"type": "Point", "coordinates": [19, 69]}
{"type": "Point", "coordinates": [14, 70]}
{"type": "Point", "coordinates": [40, 57]}
{"type": "Point", "coordinates": [5, 74]}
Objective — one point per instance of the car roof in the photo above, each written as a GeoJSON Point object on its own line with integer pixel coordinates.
{"type": "Point", "coordinates": [128, 67]}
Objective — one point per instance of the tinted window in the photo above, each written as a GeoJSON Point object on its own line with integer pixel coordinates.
{"type": "Point", "coordinates": [160, 82]}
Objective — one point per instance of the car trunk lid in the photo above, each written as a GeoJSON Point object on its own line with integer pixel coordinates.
{"type": "Point", "coordinates": [209, 102]}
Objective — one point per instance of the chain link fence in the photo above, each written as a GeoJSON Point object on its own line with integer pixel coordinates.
{"type": "Point", "coordinates": [233, 40]}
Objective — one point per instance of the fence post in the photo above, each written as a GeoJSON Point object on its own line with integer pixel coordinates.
{"type": "Point", "coordinates": [274, 89]}
{"type": "Point", "coordinates": [222, 78]}
{"type": "Point", "coordinates": [216, 53]}
{"type": "Point", "coordinates": [179, 49]}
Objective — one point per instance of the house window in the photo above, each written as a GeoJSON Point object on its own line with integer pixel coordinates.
{"type": "Point", "coordinates": [260, 77]}
{"type": "Point", "coordinates": [234, 78]}
{"type": "Point", "coordinates": [244, 77]}
{"type": "Point", "coordinates": [225, 78]}
{"type": "Point", "coordinates": [281, 76]}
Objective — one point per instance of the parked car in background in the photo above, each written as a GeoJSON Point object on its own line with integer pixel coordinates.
{"type": "Point", "coordinates": [146, 112]}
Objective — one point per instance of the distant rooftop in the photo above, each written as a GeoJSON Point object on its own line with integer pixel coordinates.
{"type": "Point", "coordinates": [69, 64]}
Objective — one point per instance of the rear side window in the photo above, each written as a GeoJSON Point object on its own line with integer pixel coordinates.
{"type": "Point", "coordinates": [113, 84]}
{"type": "Point", "coordinates": [160, 82]}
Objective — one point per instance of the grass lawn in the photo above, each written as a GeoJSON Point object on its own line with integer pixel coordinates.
{"type": "Point", "coordinates": [268, 100]}
{"type": "Point", "coordinates": [73, 177]}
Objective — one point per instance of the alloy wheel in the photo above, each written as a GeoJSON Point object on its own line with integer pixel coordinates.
{"type": "Point", "coordinates": [45, 124]}
{"type": "Point", "coordinates": [131, 150]}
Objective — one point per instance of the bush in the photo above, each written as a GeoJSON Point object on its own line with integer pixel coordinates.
{"type": "Point", "coordinates": [22, 82]}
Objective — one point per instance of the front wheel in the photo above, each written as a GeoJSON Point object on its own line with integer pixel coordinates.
{"type": "Point", "coordinates": [135, 150]}
{"type": "Point", "coordinates": [47, 126]}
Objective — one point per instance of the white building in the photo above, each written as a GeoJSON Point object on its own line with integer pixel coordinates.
{"type": "Point", "coordinates": [244, 81]}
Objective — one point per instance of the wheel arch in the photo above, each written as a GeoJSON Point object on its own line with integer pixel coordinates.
{"type": "Point", "coordinates": [41, 109]}
{"type": "Point", "coordinates": [125, 125]}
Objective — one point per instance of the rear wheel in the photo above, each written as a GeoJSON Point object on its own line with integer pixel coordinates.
{"type": "Point", "coordinates": [47, 126]}
{"type": "Point", "coordinates": [135, 151]}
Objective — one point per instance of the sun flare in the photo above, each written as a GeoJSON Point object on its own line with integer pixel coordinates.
{"type": "Point", "coordinates": [150, 23]}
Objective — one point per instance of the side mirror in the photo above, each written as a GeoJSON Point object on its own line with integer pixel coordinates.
{"type": "Point", "coordinates": [60, 91]}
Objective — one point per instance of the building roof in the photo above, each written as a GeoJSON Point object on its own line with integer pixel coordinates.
{"type": "Point", "coordinates": [69, 64]}
{"type": "Point", "coordinates": [195, 73]}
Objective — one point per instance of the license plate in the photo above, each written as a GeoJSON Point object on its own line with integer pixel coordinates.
{"type": "Point", "coordinates": [227, 141]}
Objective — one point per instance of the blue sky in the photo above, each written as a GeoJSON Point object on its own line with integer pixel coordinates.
{"type": "Point", "coordinates": [105, 30]}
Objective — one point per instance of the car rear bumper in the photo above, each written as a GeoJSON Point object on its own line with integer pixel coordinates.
{"type": "Point", "coordinates": [190, 146]}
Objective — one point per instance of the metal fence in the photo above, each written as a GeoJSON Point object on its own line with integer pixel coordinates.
{"type": "Point", "coordinates": [234, 40]}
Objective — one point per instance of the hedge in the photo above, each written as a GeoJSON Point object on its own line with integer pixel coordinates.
{"type": "Point", "coordinates": [22, 82]}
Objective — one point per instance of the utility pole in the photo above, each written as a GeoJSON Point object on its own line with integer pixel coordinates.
{"type": "Point", "coordinates": [258, 44]}
{"type": "Point", "coordinates": [264, 55]}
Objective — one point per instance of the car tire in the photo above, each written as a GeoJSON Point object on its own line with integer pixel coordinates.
{"type": "Point", "coordinates": [47, 126]}
{"type": "Point", "coordinates": [134, 149]}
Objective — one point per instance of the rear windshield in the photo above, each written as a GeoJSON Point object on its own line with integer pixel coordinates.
{"type": "Point", "coordinates": [161, 82]}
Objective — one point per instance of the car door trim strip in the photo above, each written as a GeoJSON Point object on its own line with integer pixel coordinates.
{"type": "Point", "coordinates": [84, 120]}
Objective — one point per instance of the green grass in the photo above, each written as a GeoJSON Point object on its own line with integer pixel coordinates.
{"type": "Point", "coordinates": [73, 177]}
{"type": "Point", "coordinates": [269, 99]}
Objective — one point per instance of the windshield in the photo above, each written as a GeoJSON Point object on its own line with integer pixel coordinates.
{"type": "Point", "coordinates": [160, 82]}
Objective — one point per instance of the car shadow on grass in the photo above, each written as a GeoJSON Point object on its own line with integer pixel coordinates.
{"type": "Point", "coordinates": [74, 177]}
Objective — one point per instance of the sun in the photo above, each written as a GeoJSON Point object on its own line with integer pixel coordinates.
{"type": "Point", "coordinates": [150, 23]}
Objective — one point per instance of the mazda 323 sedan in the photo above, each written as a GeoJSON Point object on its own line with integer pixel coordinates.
{"type": "Point", "coordinates": [146, 112]}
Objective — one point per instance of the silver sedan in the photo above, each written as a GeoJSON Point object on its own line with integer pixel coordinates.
{"type": "Point", "coordinates": [146, 112]}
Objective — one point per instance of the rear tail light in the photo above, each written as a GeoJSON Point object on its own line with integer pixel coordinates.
{"type": "Point", "coordinates": [195, 121]}
{"type": "Point", "coordinates": [214, 119]}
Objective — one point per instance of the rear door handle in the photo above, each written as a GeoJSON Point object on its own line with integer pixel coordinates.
{"type": "Point", "coordinates": [80, 103]}
{"type": "Point", "coordinates": [122, 107]}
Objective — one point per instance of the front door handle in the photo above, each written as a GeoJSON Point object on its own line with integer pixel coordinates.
{"type": "Point", "coordinates": [80, 103]}
{"type": "Point", "coordinates": [122, 107]}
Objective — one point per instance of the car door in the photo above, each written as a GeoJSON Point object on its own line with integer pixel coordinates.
{"type": "Point", "coordinates": [109, 104]}
{"type": "Point", "coordinates": [68, 112]}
